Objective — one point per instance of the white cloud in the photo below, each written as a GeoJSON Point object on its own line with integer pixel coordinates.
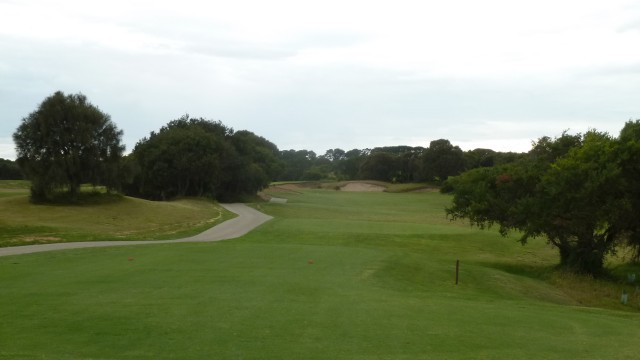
{"type": "Point", "coordinates": [7, 149]}
{"type": "Point", "coordinates": [332, 73]}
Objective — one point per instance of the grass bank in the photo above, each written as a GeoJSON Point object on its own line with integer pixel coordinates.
{"type": "Point", "coordinates": [105, 217]}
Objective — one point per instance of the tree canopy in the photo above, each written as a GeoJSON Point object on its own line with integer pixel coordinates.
{"type": "Point", "coordinates": [199, 157]}
{"type": "Point", "coordinates": [442, 159]}
{"type": "Point", "coordinates": [576, 191]}
{"type": "Point", "coordinates": [65, 142]}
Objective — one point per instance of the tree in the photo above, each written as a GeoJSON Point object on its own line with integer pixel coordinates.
{"type": "Point", "coordinates": [198, 157]}
{"type": "Point", "coordinates": [628, 154]}
{"type": "Point", "coordinates": [349, 167]}
{"type": "Point", "coordinates": [480, 158]}
{"type": "Point", "coordinates": [9, 170]}
{"type": "Point", "coordinates": [252, 165]}
{"type": "Point", "coordinates": [295, 163]}
{"type": "Point", "coordinates": [185, 158]}
{"type": "Point", "coordinates": [334, 154]}
{"type": "Point", "coordinates": [568, 190]}
{"type": "Point", "coordinates": [585, 204]}
{"type": "Point", "coordinates": [68, 141]}
{"type": "Point", "coordinates": [380, 166]}
{"type": "Point", "coordinates": [442, 159]}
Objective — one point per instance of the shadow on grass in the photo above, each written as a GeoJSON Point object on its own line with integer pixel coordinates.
{"type": "Point", "coordinates": [603, 291]}
{"type": "Point", "coordinates": [85, 198]}
{"type": "Point", "coordinates": [538, 272]}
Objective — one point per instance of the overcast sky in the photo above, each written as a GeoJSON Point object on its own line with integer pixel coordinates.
{"type": "Point", "coordinates": [324, 74]}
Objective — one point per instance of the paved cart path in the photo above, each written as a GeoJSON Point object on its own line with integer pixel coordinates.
{"type": "Point", "coordinates": [247, 220]}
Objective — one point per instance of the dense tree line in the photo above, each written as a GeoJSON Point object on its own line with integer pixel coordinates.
{"type": "Point", "coordinates": [579, 192]}
{"type": "Point", "coordinates": [9, 170]}
{"type": "Point", "coordinates": [399, 164]}
{"type": "Point", "coordinates": [68, 141]}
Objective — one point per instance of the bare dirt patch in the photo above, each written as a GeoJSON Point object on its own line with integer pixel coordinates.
{"type": "Point", "coordinates": [39, 238]}
{"type": "Point", "coordinates": [362, 187]}
{"type": "Point", "coordinates": [286, 188]}
{"type": "Point", "coordinates": [430, 189]}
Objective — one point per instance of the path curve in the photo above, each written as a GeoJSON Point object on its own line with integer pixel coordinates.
{"type": "Point", "coordinates": [247, 220]}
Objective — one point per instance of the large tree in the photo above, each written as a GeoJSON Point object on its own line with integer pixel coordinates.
{"type": "Point", "coordinates": [442, 159]}
{"type": "Point", "coordinates": [570, 190]}
{"type": "Point", "coordinates": [380, 166]}
{"type": "Point", "coordinates": [185, 158]}
{"type": "Point", "coordinates": [199, 157]}
{"type": "Point", "coordinates": [65, 142]}
{"type": "Point", "coordinates": [295, 163]}
{"type": "Point", "coordinates": [253, 164]}
{"type": "Point", "coordinates": [628, 155]}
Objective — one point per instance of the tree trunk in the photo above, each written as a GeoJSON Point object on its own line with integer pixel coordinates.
{"type": "Point", "coordinates": [565, 255]}
{"type": "Point", "coordinates": [74, 189]}
{"type": "Point", "coordinates": [584, 257]}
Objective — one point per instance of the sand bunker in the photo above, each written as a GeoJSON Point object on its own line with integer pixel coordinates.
{"type": "Point", "coordinates": [286, 188]}
{"type": "Point", "coordinates": [356, 186]}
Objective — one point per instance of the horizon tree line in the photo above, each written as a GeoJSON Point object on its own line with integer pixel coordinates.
{"type": "Point", "coordinates": [67, 141]}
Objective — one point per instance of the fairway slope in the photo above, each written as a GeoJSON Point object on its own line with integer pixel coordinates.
{"type": "Point", "coordinates": [334, 275]}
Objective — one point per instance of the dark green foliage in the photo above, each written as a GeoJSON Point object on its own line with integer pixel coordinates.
{"type": "Point", "coordinates": [349, 167]}
{"type": "Point", "coordinates": [380, 166]}
{"type": "Point", "coordinates": [9, 170]}
{"type": "Point", "coordinates": [295, 163]}
{"type": "Point", "coordinates": [315, 173]}
{"type": "Point", "coordinates": [442, 159]}
{"type": "Point", "coordinates": [407, 163]}
{"type": "Point", "coordinates": [480, 158]}
{"type": "Point", "coordinates": [393, 164]}
{"type": "Point", "coordinates": [251, 164]}
{"type": "Point", "coordinates": [585, 200]}
{"type": "Point", "coordinates": [335, 155]}
{"type": "Point", "coordinates": [185, 158]}
{"type": "Point", "coordinates": [68, 141]}
{"type": "Point", "coordinates": [198, 157]}
{"type": "Point", "coordinates": [548, 150]}
{"type": "Point", "coordinates": [577, 191]}
{"type": "Point", "coordinates": [628, 155]}
{"type": "Point", "coordinates": [399, 164]}
{"type": "Point", "coordinates": [501, 158]}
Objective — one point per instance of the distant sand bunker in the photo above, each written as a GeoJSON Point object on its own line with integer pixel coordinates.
{"type": "Point", "coordinates": [362, 187]}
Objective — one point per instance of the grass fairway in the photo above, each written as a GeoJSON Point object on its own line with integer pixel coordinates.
{"type": "Point", "coordinates": [334, 276]}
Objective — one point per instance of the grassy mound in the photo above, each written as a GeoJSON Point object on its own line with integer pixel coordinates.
{"type": "Point", "coordinates": [100, 217]}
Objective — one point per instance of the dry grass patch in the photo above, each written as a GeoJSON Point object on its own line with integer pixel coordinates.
{"type": "Point", "coordinates": [121, 218]}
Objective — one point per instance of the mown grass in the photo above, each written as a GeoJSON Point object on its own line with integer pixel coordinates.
{"type": "Point", "coordinates": [100, 217]}
{"type": "Point", "coordinates": [334, 275]}
{"type": "Point", "coordinates": [10, 188]}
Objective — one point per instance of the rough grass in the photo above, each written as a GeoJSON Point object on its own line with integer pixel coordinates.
{"type": "Point", "coordinates": [334, 276]}
{"type": "Point", "coordinates": [100, 217]}
{"type": "Point", "coordinates": [412, 187]}
{"type": "Point", "coordinates": [10, 188]}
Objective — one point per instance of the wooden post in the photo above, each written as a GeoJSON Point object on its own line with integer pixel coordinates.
{"type": "Point", "coordinates": [457, 270]}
